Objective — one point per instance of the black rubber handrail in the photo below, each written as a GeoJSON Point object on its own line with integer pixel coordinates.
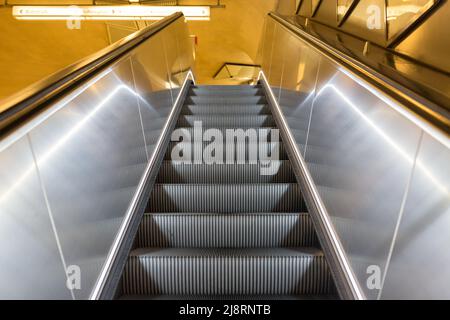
{"type": "Point", "coordinates": [27, 102]}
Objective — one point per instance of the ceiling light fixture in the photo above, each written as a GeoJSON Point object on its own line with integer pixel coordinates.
{"type": "Point", "coordinates": [126, 12]}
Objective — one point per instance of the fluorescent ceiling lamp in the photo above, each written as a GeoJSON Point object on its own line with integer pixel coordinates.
{"type": "Point", "coordinates": [131, 12]}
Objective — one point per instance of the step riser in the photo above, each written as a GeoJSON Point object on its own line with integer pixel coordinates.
{"type": "Point", "coordinates": [226, 231]}
{"type": "Point", "coordinates": [242, 152]}
{"type": "Point", "coordinates": [226, 198]}
{"type": "Point", "coordinates": [229, 93]}
{"type": "Point", "coordinates": [214, 121]}
{"type": "Point", "coordinates": [225, 110]}
{"type": "Point", "coordinates": [146, 275]}
{"type": "Point", "coordinates": [225, 99]}
{"type": "Point", "coordinates": [213, 88]}
{"type": "Point", "coordinates": [182, 173]}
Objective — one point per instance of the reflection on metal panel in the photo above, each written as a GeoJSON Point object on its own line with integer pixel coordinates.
{"type": "Point", "coordinates": [343, 8]}
{"type": "Point", "coordinates": [154, 89]}
{"type": "Point", "coordinates": [430, 41]}
{"type": "Point", "coordinates": [401, 14]}
{"type": "Point", "coordinates": [419, 268]}
{"type": "Point", "coordinates": [366, 158]}
{"type": "Point", "coordinates": [30, 264]}
{"type": "Point", "coordinates": [298, 88]}
{"type": "Point", "coordinates": [65, 193]}
{"type": "Point", "coordinates": [91, 155]}
{"type": "Point", "coordinates": [173, 58]}
{"type": "Point", "coordinates": [360, 155]}
{"type": "Point", "coordinates": [368, 21]}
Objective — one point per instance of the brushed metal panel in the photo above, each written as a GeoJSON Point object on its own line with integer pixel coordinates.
{"type": "Point", "coordinates": [153, 86]}
{"type": "Point", "coordinates": [298, 87]}
{"type": "Point", "coordinates": [30, 264]}
{"type": "Point", "coordinates": [91, 155]}
{"type": "Point", "coordinates": [419, 267]}
{"type": "Point", "coordinates": [366, 152]}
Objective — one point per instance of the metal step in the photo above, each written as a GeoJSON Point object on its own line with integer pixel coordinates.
{"type": "Point", "coordinates": [221, 92]}
{"type": "Point", "coordinates": [226, 198]}
{"type": "Point", "coordinates": [172, 172]}
{"type": "Point", "coordinates": [233, 297]}
{"type": "Point", "coordinates": [219, 110]}
{"type": "Point", "coordinates": [212, 230]}
{"type": "Point", "coordinates": [241, 151]}
{"type": "Point", "coordinates": [212, 88]}
{"type": "Point", "coordinates": [228, 121]}
{"type": "Point", "coordinates": [278, 271]}
{"type": "Point", "coordinates": [225, 98]}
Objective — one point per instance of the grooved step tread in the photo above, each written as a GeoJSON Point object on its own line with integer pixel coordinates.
{"type": "Point", "coordinates": [177, 172]}
{"type": "Point", "coordinates": [226, 198]}
{"type": "Point", "coordinates": [232, 298]}
{"type": "Point", "coordinates": [223, 99]}
{"type": "Point", "coordinates": [239, 252]}
{"type": "Point", "coordinates": [239, 121]}
{"type": "Point", "coordinates": [226, 230]}
{"type": "Point", "coordinates": [224, 110]}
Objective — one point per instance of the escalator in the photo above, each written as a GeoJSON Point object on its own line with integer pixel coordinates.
{"type": "Point", "coordinates": [223, 230]}
{"type": "Point", "coordinates": [123, 178]}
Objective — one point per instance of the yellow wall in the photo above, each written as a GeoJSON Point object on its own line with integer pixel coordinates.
{"type": "Point", "coordinates": [32, 50]}
{"type": "Point", "coordinates": [232, 35]}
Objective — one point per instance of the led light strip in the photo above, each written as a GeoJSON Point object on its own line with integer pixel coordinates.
{"type": "Point", "coordinates": [124, 12]}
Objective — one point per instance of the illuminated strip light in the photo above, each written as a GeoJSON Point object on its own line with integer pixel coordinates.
{"type": "Point", "coordinates": [126, 12]}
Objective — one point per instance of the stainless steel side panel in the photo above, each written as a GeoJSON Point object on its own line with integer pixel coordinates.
{"type": "Point", "coordinates": [91, 155]}
{"type": "Point", "coordinates": [419, 267]}
{"type": "Point", "coordinates": [68, 177]}
{"type": "Point", "coordinates": [360, 153]}
{"type": "Point", "coordinates": [382, 178]}
{"type": "Point", "coordinates": [30, 263]}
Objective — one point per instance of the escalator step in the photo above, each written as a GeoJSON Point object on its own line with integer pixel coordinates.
{"type": "Point", "coordinates": [219, 110]}
{"type": "Point", "coordinates": [230, 121]}
{"type": "Point", "coordinates": [225, 99]}
{"type": "Point", "coordinates": [242, 151]}
{"type": "Point", "coordinates": [280, 271]}
{"type": "Point", "coordinates": [232, 297]}
{"type": "Point", "coordinates": [209, 230]}
{"type": "Point", "coordinates": [213, 88]}
{"type": "Point", "coordinates": [172, 172]}
{"type": "Point", "coordinates": [248, 92]}
{"type": "Point", "coordinates": [226, 198]}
